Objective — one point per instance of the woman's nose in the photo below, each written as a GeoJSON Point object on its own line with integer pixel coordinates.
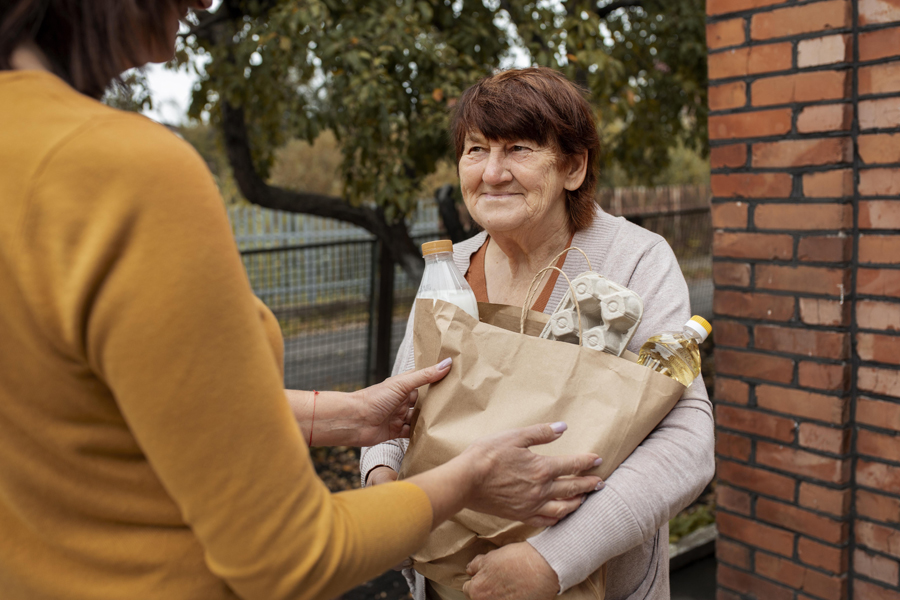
{"type": "Point", "coordinates": [496, 171]}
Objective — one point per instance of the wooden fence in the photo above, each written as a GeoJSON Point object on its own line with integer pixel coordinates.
{"type": "Point", "coordinates": [663, 199]}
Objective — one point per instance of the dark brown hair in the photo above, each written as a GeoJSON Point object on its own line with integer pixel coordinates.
{"type": "Point", "coordinates": [540, 105]}
{"type": "Point", "coordinates": [88, 42]}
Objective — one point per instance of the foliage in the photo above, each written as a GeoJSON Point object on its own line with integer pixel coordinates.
{"type": "Point", "coordinates": [131, 92]}
{"type": "Point", "coordinates": [690, 520]}
{"type": "Point", "coordinates": [337, 467]}
{"type": "Point", "coordinates": [383, 74]}
{"type": "Point", "coordinates": [699, 514]}
{"type": "Point", "coordinates": [686, 166]}
{"type": "Point", "coordinates": [644, 63]}
{"type": "Point", "coordinates": [316, 167]}
{"type": "Point", "coordinates": [299, 165]}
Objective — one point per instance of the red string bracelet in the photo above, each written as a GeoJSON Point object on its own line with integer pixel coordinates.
{"type": "Point", "coordinates": [313, 422]}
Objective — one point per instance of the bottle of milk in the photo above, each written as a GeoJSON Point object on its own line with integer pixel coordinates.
{"type": "Point", "coordinates": [442, 280]}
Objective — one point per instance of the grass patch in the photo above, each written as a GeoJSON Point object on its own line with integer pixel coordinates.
{"type": "Point", "coordinates": [698, 515]}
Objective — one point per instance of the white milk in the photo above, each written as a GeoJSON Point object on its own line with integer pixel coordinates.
{"type": "Point", "coordinates": [465, 299]}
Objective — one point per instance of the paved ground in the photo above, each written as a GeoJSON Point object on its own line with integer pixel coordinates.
{"type": "Point", "coordinates": [696, 581]}
{"type": "Point", "coordinates": [331, 359]}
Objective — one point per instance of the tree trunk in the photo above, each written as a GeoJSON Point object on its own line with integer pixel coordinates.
{"type": "Point", "coordinates": [395, 236]}
{"type": "Point", "coordinates": [445, 198]}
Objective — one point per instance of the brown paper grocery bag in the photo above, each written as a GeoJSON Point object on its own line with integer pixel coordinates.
{"type": "Point", "coordinates": [502, 379]}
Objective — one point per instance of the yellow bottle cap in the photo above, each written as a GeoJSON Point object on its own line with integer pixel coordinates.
{"type": "Point", "coordinates": [437, 246]}
{"type": "Point", "coordinates": [703, 323]}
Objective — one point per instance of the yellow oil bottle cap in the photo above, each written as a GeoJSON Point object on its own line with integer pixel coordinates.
{"type": "Point", "coordinates": [703, 323]}
{"type": "Point", "coordinates": [701, 326]}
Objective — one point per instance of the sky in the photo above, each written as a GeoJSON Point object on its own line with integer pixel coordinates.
{"type": "Point", "coordinates": [171, 90]}
{"type": "Point", "coordinates": [171, 93]}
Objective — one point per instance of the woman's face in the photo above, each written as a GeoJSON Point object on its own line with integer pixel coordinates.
{"type": "Point", "coordinates": [173, 20]}
{"type": "Point", "coordinates": [508, 185]}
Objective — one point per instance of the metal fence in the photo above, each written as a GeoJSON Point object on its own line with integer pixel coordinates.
{"type": "Point", "coordinates": [326, 302]}
{"type": "Point", "coordinates": [324, 292]}
{"type": "Point", "coordinates": [320, 294]}
{"type": "Point", "coordinates": [256, 227]}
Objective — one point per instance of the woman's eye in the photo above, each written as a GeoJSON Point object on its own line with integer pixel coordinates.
{"type": "Point", "coordinates": [475, 149]}
{"type": "Point", "coordinates": [520, 148]}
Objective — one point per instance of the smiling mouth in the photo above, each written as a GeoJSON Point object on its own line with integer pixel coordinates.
{"type": "Point", "coordinates": [500, 194]}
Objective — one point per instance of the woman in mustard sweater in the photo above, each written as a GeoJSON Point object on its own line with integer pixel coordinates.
{"type": "Point", "coordinates": [147, 449]}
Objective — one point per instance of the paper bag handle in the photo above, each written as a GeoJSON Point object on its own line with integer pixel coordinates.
{"type": "Point", "coordinates": [587, 260]}
{"type": "Point", "coordinates": [533, 288]}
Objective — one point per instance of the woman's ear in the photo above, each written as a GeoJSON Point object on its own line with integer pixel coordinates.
{"type": "Point", "coordinates": [576, 171]}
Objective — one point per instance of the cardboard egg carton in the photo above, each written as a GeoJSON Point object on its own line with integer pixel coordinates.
{"type": "Point", "coordinates": [610, 314]}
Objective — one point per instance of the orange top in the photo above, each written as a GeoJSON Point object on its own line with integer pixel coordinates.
{"type": "Point", "coordinates": [437, 246]}
{"type": "Point", "coordinates": [148, 450]}
{"type": "Point", "coordinates": [478, 283]}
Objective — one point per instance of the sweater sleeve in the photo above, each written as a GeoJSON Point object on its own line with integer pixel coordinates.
{"type": "Point", "coordinates": [152, 291]}
{"type": "Point", "coordinates": [665, 473]}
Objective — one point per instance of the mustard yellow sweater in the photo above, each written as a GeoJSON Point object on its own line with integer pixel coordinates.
{"type": "Point", "coordinates": [146, 446]}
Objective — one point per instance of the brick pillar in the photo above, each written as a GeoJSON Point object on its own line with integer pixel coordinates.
{"type": "Point", "coordinates": [876, 443]}
{"type": "Point", "coordinates": [805, 132]}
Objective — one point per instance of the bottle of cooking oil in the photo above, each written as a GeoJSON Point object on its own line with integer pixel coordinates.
{"type": "Point", "coordinates": [677, 353]}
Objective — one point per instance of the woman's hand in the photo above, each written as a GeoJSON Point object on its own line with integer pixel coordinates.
{"type": "Point", "coordinates": [499, 475]}
{"type": "Point", "coordinates": [513, 572]}
{"type": "Point", "coordinates": [364, 418]}
{"type": "Point", "coordinates": [384, 410]}
{"type": "Point", "coordinates": [523, 486]}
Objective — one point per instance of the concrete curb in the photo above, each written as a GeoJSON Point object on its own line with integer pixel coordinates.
{"type": "Point", "coordinates": [692, 547]}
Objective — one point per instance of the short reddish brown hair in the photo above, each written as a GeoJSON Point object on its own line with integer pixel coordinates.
{"type": "Point", "coordinates": [540, 105]}
{"type": "Point", "coordinates": [89, 43]}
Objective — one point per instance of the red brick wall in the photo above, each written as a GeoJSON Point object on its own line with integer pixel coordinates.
{"type": "Point", "coordinates": [805, 132]}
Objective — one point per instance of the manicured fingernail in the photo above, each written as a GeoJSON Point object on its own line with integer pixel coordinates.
{"type": "Point", "coordinates": [600, 486]}
{"type": "Point", "coordinates": [559, 427]}
{"type": "Point", "coordinates": [598, 462]}
{"type": "Point", "coordinates": [444, 364]}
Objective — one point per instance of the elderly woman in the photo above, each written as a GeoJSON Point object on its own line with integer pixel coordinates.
{"type": "Point", "coordinates": [526, 146]}
{"type": "Point", "coordinates": [148, 447]}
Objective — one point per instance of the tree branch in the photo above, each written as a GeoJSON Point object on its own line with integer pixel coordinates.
{"type": "Point", "coordinates": [445, 197]}
{"type": "Point", "coordinates": [605, 11]}
{"type": "Point", "coordinates": [205, 24]}
{"type": "Point", "coordinates": [237, 146]}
